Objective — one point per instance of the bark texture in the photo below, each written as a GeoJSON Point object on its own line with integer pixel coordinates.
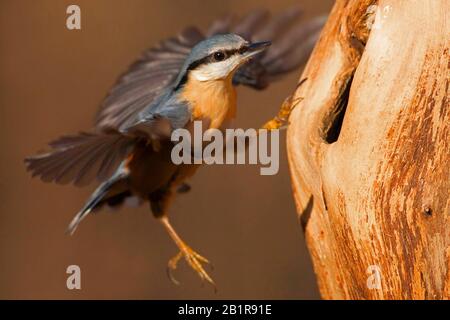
{"type": "Point", "coordinates": [369, 151]}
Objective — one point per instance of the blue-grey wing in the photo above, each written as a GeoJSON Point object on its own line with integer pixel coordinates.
{"type": "Point", "coordinates": [158, 120]}
{"type": "Point", "coordinates": [147, 79]}
{"type": "Point", "coordinates": [81, 157]}
{"type": "Point", "coordinates": [292, 43]}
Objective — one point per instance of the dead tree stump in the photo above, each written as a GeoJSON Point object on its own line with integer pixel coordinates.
{"type": "Point", "coordinates": [369, 151]}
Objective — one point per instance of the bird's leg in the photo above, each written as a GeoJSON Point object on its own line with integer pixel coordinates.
{"type": "Point", "coordinates": [192, 258]}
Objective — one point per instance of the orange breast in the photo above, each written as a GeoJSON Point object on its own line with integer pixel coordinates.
{"type": "Point", "coordinates": [213, 100]}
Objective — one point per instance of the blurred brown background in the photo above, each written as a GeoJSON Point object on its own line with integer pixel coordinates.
{"type": "Point", "coordinates": [51, 82]}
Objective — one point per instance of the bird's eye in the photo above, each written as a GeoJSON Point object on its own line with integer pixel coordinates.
{"type": "Point", "coordinates": [219, 56]}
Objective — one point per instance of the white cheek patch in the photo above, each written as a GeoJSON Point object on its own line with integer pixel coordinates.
{"type": "Point", "coordinates": [216, 70]}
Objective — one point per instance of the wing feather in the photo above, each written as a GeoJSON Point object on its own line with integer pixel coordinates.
{"type": "Point", "coordinates": [250, 23]}
{"type": "Point", "coordinates": [79, 158]}
{"type": "Point", "coordinates": [139, 106]}
{"type": "Point", "coordinates": [220, 26]}
{"type": "Point", "coordinates": [147, 79]}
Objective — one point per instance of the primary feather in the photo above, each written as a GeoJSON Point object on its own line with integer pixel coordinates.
{"type": "Point", "coordinates": [159, 66]}
{"type": "Point", "coordinates": [142, 106]}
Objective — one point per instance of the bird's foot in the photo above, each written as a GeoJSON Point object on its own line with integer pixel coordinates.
{"type": "Point", "coordinates": [194, 260]}
{"type": "Point", "coordinates": [281, 120]}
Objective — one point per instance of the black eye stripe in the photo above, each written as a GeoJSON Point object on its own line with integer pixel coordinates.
{"type": "Point", "coordinates": [208, 59]}
{"type": "Point", "coordinates": [242, 49]}
{"type": "Point", "coordinates": [227, 53]}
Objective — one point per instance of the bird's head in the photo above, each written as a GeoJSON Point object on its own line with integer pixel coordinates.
{"type": "Point", "coordinates": [218, 57]}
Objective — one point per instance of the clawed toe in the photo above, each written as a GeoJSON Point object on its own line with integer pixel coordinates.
{"type": "Point", "coordinates": [194, 260]}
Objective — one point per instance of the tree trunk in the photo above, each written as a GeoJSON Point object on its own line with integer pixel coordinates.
{"type": "Point", "coordinates": [369, 151]}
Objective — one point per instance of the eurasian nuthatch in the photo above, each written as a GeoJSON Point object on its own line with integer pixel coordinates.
{"type": "Point", "coordinates": [191, 77]}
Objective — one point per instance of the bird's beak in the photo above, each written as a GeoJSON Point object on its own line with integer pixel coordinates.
{"type": "Point", "coordinates": [256, 47]}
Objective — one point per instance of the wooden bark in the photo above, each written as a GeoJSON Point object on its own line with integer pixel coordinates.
{"type": "Point", "coordinates": [369, 150]}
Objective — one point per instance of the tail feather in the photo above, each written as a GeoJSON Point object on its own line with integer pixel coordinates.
{"type": "Point", "coordinates": [99, 195]}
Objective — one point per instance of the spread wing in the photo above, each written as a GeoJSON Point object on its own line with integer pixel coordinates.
{"type": "Point", "coordinates": [146, 80]}
{"type": "Point", "coordinates": [292, 44]}
{"type": "Point", "coordinates": [158, 67]}
{"type": "Point", "coordinates": [81, 158]}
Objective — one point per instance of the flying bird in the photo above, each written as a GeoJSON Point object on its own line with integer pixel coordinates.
{"type": "Point", "coordinates": [189, 77]}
